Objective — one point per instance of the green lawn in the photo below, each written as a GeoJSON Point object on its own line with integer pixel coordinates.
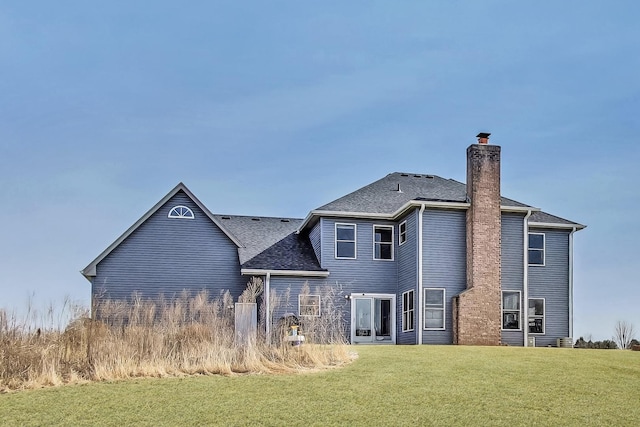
{"type": "Point", "coordinates": [386, 385]}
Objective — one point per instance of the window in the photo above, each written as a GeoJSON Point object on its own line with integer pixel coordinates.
{"type": "Point", "coordinates": [536, 249]}
{"type": "Point", "coordinates": [407, 311]}
{"type": "Point", "coordinates": [346, 241]}
{"type": "Point", "coordinates": [383, 242]}
{"type": "Point", "coordinates": [181, 212]}
{"type": "Point", "coordinates": [536, 315]}
{"type": "Point", "coordinates": [402, 233]}
{"type": "Point", "coordinates": [434, 309]}
{"type": "Point", "coordinates": [309, 305]}
{"type": "Point", "coordinates": [511, 310]}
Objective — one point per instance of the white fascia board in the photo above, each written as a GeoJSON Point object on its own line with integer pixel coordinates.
{"type": "Point", "coordinates": [523, 209]}
{"type": "Point", "coordinates": [261, 272]}
{"type": "Point", "coordinates": [388, 216]}
{"type": "Point", "coordinates": [557, 225]}
{"type": "Point", "coordinates": [90, 270]}
{"type": "Point", "coordinates": [410, 204]}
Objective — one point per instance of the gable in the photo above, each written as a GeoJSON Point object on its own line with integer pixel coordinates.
{"type": "Point", "coordinates": [185, 198]}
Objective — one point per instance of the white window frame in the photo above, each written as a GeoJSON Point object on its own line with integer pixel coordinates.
{"type": "Point", "coordinates": [355, 240]}
{"type": "Point", "coordinates": [503, 310]}
{"type": "Point", "coordinates": [181, 212]}
{"type": "Point", "coordinates": [390, 242]}
{"type": "Point", "coordinates": [544, 249]}
{"type": "Point", "coordinates": [537, 316]}
{"type": "Point", "coordinates": [444, 309]}
{"type": "Point", "coordinates": [406, 311]}
{"type": "Point", "coordinates": [309, 304]}
{"type": "Point", "coordinates": [402, 235]}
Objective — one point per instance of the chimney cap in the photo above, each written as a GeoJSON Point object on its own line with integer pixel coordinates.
{"type": "Point", "coordinates": [483, 135]}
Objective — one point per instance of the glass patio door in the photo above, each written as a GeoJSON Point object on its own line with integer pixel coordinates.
{"type": "Point", "coordinates": [372, 320]}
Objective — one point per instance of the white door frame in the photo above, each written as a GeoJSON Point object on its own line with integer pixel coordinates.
{"type": "Point", "coordinates": [392, 297]}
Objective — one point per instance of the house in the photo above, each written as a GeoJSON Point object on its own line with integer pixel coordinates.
{"type": "Point", "coordinates": [419, 259]}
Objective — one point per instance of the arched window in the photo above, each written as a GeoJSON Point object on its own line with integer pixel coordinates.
{"type": "Point", "coordinates": [181, 212]}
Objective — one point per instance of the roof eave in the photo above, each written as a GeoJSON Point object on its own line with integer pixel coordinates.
{"type": "Point", "coordinates": [262, 272]}
{"type": "Point", "coordinates": [310, 219]}
{"type": "Point", "coordinates": [572, 226]}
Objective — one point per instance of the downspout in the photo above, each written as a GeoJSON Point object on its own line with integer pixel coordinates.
{"type": "Point", "coordinates": [267, 295]}
{"type": "Point", "coordinates": [571, 282]}
{"type": "Point", "coordinates": [525, 277]}
{"type": "Point", "coordinates": [420, 310]}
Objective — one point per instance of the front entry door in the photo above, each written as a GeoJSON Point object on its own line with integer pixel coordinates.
{"type": "Point", "coordinates": [373, 319]}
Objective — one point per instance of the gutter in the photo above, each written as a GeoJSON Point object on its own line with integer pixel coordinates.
{"type": "Point", "coordinates": [420, 310]}
{"type": "Point", "coordinates": [525, 277]}
{"type": "Point", "coordinates": [263, 272]}
{"type": "Point", "coordinates": [400, 211]}
{"type": "Point", "coordinates": [574, 227]}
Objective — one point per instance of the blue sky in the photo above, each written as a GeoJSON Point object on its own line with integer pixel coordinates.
{"type": "Point", "coordinates": [276, 108]}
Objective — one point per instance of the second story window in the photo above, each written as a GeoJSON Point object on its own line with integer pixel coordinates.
{"type": "Point", "coordinates": [346, 241]}
{"type": "Point", "coordinates": [402, 232]}
{"type": "Point", "coordinates": [383, 242]}
{"type": "Point", "coordinates": [536, 249]}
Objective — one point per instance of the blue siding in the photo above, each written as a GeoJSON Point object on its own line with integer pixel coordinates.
{"type": "Point", "coordinates": [551, 282]}
{"type": "Point", "coordinates": [364, 274]}
{"type": "Point", "coordinates": [512, 270]}
{"type": "Point", "coordinates": [408, 276]}
{"type": "Point", "coordinates": [288, 288]}
{"type": "Point", "coordinates": [444, 262]}
{"type": "Point", "coordinates": [165, 256]}
{"type": "Point", "coordinates": [315, 237]}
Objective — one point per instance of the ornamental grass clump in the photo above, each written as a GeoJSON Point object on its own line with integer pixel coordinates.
{"type": "Point", "coordinates": [185, 335]}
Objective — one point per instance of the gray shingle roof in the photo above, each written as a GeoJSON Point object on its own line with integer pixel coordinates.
{"type": "Point", "coordinates": [549, 219]}
{"type": "Point", "coordinates": [383, 197]}
{"type": "Point", "coordinates": [271, 243]}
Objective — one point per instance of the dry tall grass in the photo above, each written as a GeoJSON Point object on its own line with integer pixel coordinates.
{"type": "Point", "coordinates": [181, 336]}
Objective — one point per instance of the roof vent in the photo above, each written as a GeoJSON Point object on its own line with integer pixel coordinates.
{"type": "Point", "coordinates": [284, 220]}
{"type": "Point", "coordinates": [404, 174]}
{"type": "Point", "coordinates": [255, 219]}
{"type": "Point", "coordinates": [418, 176]}
{"type": "Point", "coordinates": [399, 190]}
{"type": "Point", "coordinates": [429, 176]}
{"type": "Point", "coordinates": [226, 217]}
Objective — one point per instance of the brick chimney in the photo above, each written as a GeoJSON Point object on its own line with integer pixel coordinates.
{"type": "Point", "coordinates": [477, 310]}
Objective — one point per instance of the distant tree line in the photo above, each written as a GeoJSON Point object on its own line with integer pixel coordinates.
{"type": "Point", "coordinates": [623, 338]}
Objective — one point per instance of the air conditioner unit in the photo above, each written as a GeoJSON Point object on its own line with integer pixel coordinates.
{"type": "Point", "coordinates": [566, 342]}
{"type": "Point", "coordinates": [531, 341]}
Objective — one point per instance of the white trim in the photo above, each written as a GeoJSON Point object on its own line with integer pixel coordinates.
{"type": "Point", "coordinates": [544, 317]}
{"type": "Point", "coordinates": [400, 233]}
{"type": "Point", "coordinates": [393, 316]}
{"type": "Point", "coordinates": [355, 240]}
{"type": "Point", "coordinates": [413, 310]}
{"type": "Point", "coordinates": [557, 225]}
{"type": "Point", "coordinates": [267, 296]}
{"type": "Point", "coordinates": [571, 281]}
{"type": "Point", "coordinates": [181, 212]}
{"type": "Point", "coordinates": [400, 211]}
{"type": "Point", "coordinates": [373, 238]}
{"type": "Point", "coordinates": [444, 309]}
{"type": "Point", "coordinates": [90, 270]}
{"type": "Point", "coordinates": [544, 249]}
{"type": "Point", "coordinates": [420, 274]}
{"type": "Point", "coordinates": [262, 272]}
{"type": "Point", "coordinates": [525, 268]}
{"type": "Point", "coordinates": [502, 310]}
{"type": "Point", "coordinates": [307, 305]}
